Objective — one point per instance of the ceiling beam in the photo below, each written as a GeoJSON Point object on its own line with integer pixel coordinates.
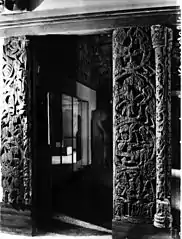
{"type": "Point", "coordinates": [43, 23]}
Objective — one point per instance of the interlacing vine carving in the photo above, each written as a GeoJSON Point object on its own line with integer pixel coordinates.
{"type": "Point", "coordinates": [134, 124]}
{"type": "Point", "coordinates": [162, 43]}
{"type": "Point", "coordinates": [15, 123]}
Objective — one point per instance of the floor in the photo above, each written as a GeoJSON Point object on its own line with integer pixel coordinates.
{"type": "Point", "coordinates": [81, 233]}
{"type": "Point", "coordinates": [53, 235]}
{"type": "Point", "coordinates": [79, 230]}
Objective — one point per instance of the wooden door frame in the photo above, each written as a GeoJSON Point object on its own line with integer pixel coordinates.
{"type": "Point", "coordinates": [62, 22]}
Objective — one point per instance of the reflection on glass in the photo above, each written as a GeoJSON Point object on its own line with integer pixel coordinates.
{"type": "Point", "coordinates": [55, 127]}
{"type": "Point", "coordinates": [84, 132]}
{"type": "Point", "coordinates": [74, 134]}
{"type": "Point", "coordinates": [67, 130]}
{"type": "Point", "coordinates": [48, 118]}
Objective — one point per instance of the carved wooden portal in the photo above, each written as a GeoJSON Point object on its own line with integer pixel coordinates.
{"type": "Point", "coordinates": [141, 163]}
{"type": "Point", "coordinates": [15, 124]}
{"type": "Point", "coordinates": [141, 111]}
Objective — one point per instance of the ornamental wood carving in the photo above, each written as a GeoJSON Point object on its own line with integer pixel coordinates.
{"type": "Point", "coordinates": [162, 43]}
{"type": "Point", "coordinates": [159, 42]}
{"type": "Point", "coordinates": [15, 123]}
{"type": "Point", "coordinates": [169, 121]}
{"type": "Point", "coordinates": [134, 124]}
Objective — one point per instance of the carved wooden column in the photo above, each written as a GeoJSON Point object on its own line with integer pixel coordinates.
{"type": "Point", "coordinates": [15, 132]}
{"type": "Point", "coordinates": [162, 43]}
{"type": "Point", "coordinates": [133, 125]}
{"type": "Point", "coordinates": [1, 92]}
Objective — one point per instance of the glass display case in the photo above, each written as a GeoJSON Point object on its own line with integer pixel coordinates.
{"type": "Point", "coordinates": [68, 131]}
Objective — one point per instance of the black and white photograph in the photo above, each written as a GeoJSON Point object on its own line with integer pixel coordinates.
{"type": "Point", "coordinates": [90, 119]}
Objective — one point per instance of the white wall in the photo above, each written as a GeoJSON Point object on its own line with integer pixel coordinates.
{"type": "Point", "coordinates": [100, 5]}
{"type": "Point", "coordinates": [85, 93]}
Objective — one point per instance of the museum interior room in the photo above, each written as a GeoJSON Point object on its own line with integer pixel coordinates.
{"type": "Point", "coordinates": [90, 118]}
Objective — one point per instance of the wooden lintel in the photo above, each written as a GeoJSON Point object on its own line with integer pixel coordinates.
{"type": "Point", "coordinates": [44, 23]}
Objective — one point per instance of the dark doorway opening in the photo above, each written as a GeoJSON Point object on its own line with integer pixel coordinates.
{"type": "Point", "coordinates": [73, 176]}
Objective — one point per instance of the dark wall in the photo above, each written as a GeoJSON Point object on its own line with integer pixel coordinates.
{"type": "Point", "coordinates": [56, 56]}
{"type": "Point", "coordinates": [176, 129]}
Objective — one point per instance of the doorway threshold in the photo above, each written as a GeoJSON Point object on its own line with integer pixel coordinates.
{"type": "Point", "coordinates": [70, 220]}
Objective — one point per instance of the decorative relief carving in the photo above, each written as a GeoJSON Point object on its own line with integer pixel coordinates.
{"type": "Point", "coordinates": [169, 121]}
{"type": "Point", "coordinates": [163, 123]}
{"type": "Point", "coordinates": [134, 124]}
{"type": "Point", "coordinates": [158, 35]}
{"type": "Point", "coordinates": [161, 110]}
{"type": "Point", "coordinates": [15, 137]}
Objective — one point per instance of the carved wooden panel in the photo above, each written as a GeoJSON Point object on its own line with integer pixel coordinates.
{"type": "Point", "coordinates": [134, 124]}
{"type": "Point", "coordinates": [15, 123]}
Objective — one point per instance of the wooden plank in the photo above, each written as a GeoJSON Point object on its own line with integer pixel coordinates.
{"type": "Point", "coordinates": [43, 22]}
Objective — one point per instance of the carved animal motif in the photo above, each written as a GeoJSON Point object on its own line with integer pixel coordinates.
{"type": "Point", "coordinates": [134, 119]}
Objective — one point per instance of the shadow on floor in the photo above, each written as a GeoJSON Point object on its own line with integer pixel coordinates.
{"type": "Point", "coordinates": [85, 197]}
{"type": "Point", "coordinates": [68, 229]}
